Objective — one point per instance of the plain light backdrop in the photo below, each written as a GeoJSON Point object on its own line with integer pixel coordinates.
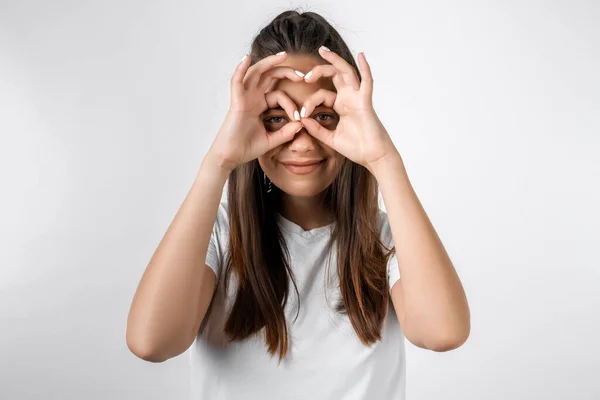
{"type": "Point", "coordinates": [107, 109]}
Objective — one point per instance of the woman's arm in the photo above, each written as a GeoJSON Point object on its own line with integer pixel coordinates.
{"type": "Point", "coordinates": [434, 309]}
{"type": "Point", "coordinates": [177, 286]}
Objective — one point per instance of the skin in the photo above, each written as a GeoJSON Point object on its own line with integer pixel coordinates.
{"type": "Point", "coordinates": [302, 194]}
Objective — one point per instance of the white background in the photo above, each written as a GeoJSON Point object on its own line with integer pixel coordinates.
{"type": "Point", "coordinates": [108, 108]}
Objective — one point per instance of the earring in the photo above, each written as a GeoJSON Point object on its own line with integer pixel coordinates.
{"type": "Point", "coordinates": [270, 185]}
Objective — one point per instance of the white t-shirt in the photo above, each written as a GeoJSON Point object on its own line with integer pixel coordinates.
{"type": "Point", "coordinates": [325, 358]}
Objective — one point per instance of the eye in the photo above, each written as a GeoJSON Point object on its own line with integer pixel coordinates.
{"type": "Point", "coordinates": [271, 121]}
{"type": "Point", "coordinates": [331, 117]}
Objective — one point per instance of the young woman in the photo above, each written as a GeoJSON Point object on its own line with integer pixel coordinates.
{"type": "Point", "coordinates": [292, 288]}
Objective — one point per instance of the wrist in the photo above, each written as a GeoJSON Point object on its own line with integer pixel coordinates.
{"type": "Point", "coordinates": [215, 166]}
{"type": "Point", "coordinates": [391, 160]}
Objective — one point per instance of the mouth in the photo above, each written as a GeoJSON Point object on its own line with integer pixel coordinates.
{"type": "Point", "coordinates": [303, 168]}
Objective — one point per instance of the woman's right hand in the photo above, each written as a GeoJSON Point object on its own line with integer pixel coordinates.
{"type": "Point", "coordinates": [243, 136]}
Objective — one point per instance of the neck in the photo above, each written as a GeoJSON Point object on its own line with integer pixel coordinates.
{"type": "Point", "coordinates": [307, 212]}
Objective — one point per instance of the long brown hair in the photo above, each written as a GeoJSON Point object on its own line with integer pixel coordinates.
{"type": "Point", "coordinates": [257, 252]}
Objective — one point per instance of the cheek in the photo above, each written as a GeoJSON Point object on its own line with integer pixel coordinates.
{"type": "Point", "coordinates": [266, 160]}
{"type": "Point", "coordinates": [339, 160]}
{"type": "Point", "coordinates": [334, 165]}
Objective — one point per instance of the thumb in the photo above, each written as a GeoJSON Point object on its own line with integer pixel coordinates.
{"type": "Point", "coordinates": [318, 131]}
{"type": "Point", "coordinates": [285, 134]}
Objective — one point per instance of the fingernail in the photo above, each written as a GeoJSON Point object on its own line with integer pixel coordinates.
{"type": "Point", "coordinates": [308, 75]}
{"type": "Point", "coordinates": [325, 48]}
{"type": "Point", "coordinates": [296, 115]}
{"type": "Point", "coordinates": [243, 58]}
{"type": "Point", "coordinates": [303, 112]}
{"type": "Point", "coordinates": [299, 129]}
{"type": "Point", "coordinates": [281, 53]}
{"type": "Point", "coordinates": [299, 73]}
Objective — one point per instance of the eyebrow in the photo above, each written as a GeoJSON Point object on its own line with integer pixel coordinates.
{"type": "Point", "coordinates": [281, 108]}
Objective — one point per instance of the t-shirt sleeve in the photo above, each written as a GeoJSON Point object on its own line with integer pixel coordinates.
{"type": "Point", "coordinates": [218, 240]}
{"type": "Point", "coordinates": [386, 237]}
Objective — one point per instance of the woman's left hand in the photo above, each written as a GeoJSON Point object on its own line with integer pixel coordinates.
{"type": "Point", "coordinates": [359, 135]}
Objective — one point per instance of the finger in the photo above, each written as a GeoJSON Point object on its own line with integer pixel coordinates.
{"type": "Point", "coordinates": [326, 70]}
{"type": "Point", "coordinates": [255, 71]}
{"type": "Point", "coordinates": [283, 135]}
{"type": "Point", "coordinates": [279, 98]}
{"type": "Point", "coordinates": [316, 130]}
{"type": "Point", "coordinates": [275, 73]}
{"type": "Point", "coordinates": [348, 72]}
{"type": "Point", "coordinates": [321, 96]}
{"type": "Point", "coordinates": [366, 84]}
{"type": "Point", "coordinates": [320, 71]}
{"type": "Point", "coordinates": [237, 80]}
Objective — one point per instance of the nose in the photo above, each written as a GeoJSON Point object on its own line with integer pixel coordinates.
{"type": "Point", "coordinates": [302, 141]}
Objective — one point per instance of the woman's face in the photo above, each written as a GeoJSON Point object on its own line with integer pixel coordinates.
{"type": "Point", "coordinates": [303, 146]}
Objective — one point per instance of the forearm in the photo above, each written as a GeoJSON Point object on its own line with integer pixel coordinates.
{"type": "Point", "coordinates": [436, 307]}
{"type": "Point", "coordinates": [167, 304]}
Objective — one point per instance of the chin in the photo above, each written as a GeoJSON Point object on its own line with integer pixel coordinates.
{"type": "Point", "coordinates": [303, 189]}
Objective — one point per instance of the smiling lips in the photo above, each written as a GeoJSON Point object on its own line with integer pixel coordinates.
{"type": "Point", "coordinates": [302, 167]}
